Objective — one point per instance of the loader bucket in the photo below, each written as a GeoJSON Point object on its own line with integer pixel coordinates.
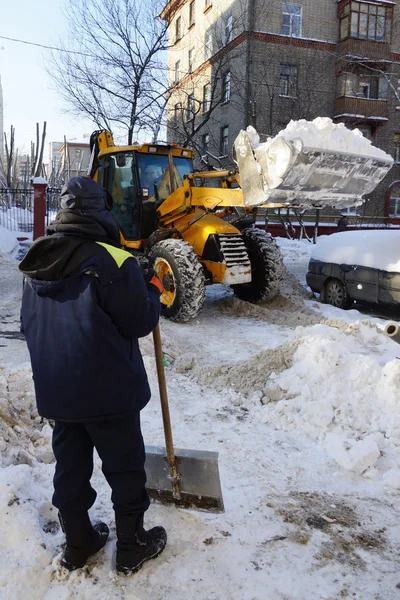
{"type": "Point", "coordinates": [291, 174]}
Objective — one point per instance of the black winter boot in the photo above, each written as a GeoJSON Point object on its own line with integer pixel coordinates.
{"type": "Point", "coordinates": [135, 545]}
{"type": "Point", "coordinates": [83, 539]}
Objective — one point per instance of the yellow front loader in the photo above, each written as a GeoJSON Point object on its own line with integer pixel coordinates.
{"type": "Point", "coordinates": [175, 216]}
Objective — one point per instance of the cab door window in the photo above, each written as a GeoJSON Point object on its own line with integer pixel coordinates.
{"type": "Point", "coordinates": [117, 175]}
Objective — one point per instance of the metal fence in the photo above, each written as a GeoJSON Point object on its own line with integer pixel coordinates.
{"type": "Point", "coordinates": [52, 203]}
{"type": "Point", "coordinates": [16, 208]}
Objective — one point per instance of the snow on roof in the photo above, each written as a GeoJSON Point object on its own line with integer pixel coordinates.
{"type": "Point", "coordinates": [377, 249]}
{"type": "Point", "coordinates": [356, 116]}
{"type": "Point", "coordinates": [297, 37]}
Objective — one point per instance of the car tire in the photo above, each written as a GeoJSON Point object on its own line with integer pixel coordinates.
{"type": "Point", "coordinates": [336, 294]}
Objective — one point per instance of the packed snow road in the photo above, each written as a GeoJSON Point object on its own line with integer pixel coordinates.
{"type": "Point", "coordinates": [300, 400]}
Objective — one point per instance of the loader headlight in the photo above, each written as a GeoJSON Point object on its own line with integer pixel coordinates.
{"type": "Point", "coordinates": [185, 153]}
{"type": "Point", "coordinates": [152, 149]}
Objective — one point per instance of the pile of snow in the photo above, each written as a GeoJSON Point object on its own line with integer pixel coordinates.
{"type": "Point", "coordinates": [324, 134]}
{"type": "Point", "coordinates": [377, 249]}
{"type": "Point", "coordinates": [23, 437]}
{"type": "Point", "coordinates": [330, 382]}
{"type": "Point", "coordinates": [8, 241]}
{"type": "Point", "coordinates": [336, 391]}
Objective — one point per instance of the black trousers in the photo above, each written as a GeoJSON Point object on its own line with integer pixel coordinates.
{"type": "Point", "coordinates": [119, 444]}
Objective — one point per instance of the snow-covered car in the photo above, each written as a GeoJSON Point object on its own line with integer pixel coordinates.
{"type": "Point", "coordinates": [357, 266]}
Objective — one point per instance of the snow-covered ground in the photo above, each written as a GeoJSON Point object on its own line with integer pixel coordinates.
{"type": "Point", "coordinates": [301, 401]}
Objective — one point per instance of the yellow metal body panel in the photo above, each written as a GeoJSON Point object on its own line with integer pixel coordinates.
{"type": "Point", "coordinates": [175, 150]}
{"type": "Point", "coordinates": [216, 269]}
{"type": "Point", "coordinates": [196, 234]}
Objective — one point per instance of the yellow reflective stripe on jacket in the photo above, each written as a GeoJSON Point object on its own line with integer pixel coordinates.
{"type": "Point", "coordinates": [119, 255]}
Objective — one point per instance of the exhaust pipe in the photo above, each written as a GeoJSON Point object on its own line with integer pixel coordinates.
{"type": "Point", "coordinates": [392, 330]}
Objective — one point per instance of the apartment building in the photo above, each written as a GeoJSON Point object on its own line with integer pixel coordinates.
{"type": "Point", "coordinates": [75, 158]}
{"type": "Point", "coordinates": [234, 63]}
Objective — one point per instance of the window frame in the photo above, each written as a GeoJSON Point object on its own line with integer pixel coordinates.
{"type": "Point", "coordinates": [177, 71]}
{"type": "Point", "coordinates": [192, 13]}
{"type": "Point", "coordinates": [206, 104]}
{"type": "Point", "coordinates": [208, 45]}
{"type": "Point", "coordinates": [396, 213]}
{"type": "Point", "coordinates": [228, 27]}
{"type": "Point", "coordinates": [350, 84]}
{"type": "Point", "coordinates": [396, 144]}
{"type": "Point", "coordinates": [351, 25]}
{"type": "Point", "coordinates": [178, 29]}
{"type": "Point", "coordinates": [191, 52]}
{"type": "Point", "coordinates": [177, 110]}
{"type": "Point", "coordinates": [226, 87]}
{"type": "Point", "coordinates": [288, 13]}
{"type": "Point", "coordinates": [224, 141]}
{"type": "Point", "coordinates": [291, 79]}
{"type": "Point", "coordinates": [191, 112]}
{"type": "Point", "coordinates": [205, 144]}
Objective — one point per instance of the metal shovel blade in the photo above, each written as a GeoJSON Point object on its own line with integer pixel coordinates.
{"type": "Point", "coordinates": [199, 481]}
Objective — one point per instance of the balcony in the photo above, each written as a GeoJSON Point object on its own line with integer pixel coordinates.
{"type": "Point", "coordinates": [348, 108]}
{"type": "Point", "coordinates": [367, 50]}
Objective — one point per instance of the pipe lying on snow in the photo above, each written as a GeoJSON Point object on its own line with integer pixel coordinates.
{"type": "Point", "coordinates": [392, 330]}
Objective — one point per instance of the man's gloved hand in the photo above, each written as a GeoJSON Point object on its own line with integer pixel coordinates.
{"type": "Point", "coordinates": [152, 281]}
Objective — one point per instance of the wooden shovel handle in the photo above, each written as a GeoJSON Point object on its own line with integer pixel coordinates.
{"type": "Point", "coordinates": [162, 386]}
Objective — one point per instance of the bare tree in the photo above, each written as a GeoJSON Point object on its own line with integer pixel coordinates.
{"type": "Point", "coordinates": [111, 69]}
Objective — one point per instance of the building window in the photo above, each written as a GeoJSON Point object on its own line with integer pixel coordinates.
{"type": "Point", "coordinates": [207, 45]}
{"type": "Point", "coordinates": [206, 97]}
{"type": "Point", "coordinates": [224, 140]}
{"type": "Point", "coordinates": [190, 108]}
{"type": "Point", "coordinates": [178, 29]}
{"type": "Point", "coordinates": [288, 81]}
{"type": "Point", "coordinates": [397, 147]}
{"type": "Point", "coordinates": [192, 18]}
{"type": "Point", "coordinates": [366, 21]}
{"type": "Point", "coordinates": [228, 29]}
{"type": "Point", "coordinates": [291, 19]}
{"type": "Point", "coordinates": [177, 111]}
{"type": "Point", "coordinates": [190, 60]}
{"type": "Point", "coordinates": [226, 87]}
{"type": "Point", "coordinates": [394, 210]}
{"type": "Point", "coordinates": [177, 71]}
{"type": "Point", "coordinates": [363, 85]}
{"type": "Point", "coordinates": [205, 143]}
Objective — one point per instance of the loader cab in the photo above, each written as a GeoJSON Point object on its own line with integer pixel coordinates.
{"type": "Point", "coordinates": [139, 181]}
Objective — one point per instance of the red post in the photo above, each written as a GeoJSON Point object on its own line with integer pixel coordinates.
{"type": "Point", "coordinates": [39, 206]}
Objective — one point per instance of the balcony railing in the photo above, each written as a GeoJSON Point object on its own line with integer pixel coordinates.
{"type": "Point", "coordinates": [365, 49]}
{"type": "Point", "coordinates": [373, 110]}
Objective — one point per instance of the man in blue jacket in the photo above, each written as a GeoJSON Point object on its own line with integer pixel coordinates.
{"type": "Point", "coordinates": [84, 306]}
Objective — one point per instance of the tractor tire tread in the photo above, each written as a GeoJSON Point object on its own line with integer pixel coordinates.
{"type": "Point", "coordinates": [191, 286]}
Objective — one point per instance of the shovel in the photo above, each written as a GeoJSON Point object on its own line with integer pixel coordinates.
{"type": "Point", "coordinates": [186, 478]}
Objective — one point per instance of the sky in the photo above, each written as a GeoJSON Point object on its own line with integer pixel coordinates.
{"type": "Point", "coordinates": [27, 88]}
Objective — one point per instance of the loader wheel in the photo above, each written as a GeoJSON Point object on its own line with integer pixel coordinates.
{"type": "Point", "coordinates": [336, 294]}
{"type": "Point", "coordinates": [181, 274]}
{"type": "Point", "coordinates": [266, 267]}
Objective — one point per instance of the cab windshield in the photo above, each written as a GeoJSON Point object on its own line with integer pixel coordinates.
{"type": "Point", "coordinates": [154, 178]}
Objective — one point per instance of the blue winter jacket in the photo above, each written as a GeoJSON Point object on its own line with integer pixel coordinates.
{"type": "Point", "coordinates": [82, 334]}
{"type": "Point", "coordinates": [85, 304]}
